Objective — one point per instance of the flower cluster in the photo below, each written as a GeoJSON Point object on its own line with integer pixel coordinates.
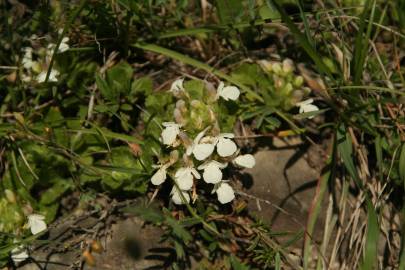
{"type": "Point", "coordinates": [13, 217]}
{"type": "Point", "coordinates": [36, 62]}
{"type": "Point", "coordinates": [289, 85]}
{"type": "Point", "coordinates": [203, 156]}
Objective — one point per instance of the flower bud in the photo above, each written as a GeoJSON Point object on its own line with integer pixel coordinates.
{"type": "Point", "coordinates": [278, 82]}
{"type": "Point", "coordinates": [178, 117]}
{"type": "Point", "coordinates": [265, 65]}
{"type": "Point", "coordinates": [298, 81]}
{"type": "Point", "coordinates": [276, 67]}
{"type": "Point", "coordinates": [174, 156]}
{"type": "Point", "coordinates": [288, 88]}
{"type": "Point", "coordinates": [288, 66]}
{"type": "Point", "coordinates": [10, 196]}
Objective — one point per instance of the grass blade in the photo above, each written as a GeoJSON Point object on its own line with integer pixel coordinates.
{"type": "Point", "coordinates": [361, 43]}
{"type": "Point", "coordinates": [370, 256]}
{"type": "Point", "coordinates": [195, 63]}
{"type": "Point", "coordinates": [346, 151]}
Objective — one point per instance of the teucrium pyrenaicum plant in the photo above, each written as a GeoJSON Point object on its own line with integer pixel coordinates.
{"type": "Point", "coordinates": [198, 149]}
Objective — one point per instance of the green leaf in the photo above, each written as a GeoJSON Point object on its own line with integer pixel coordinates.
{"type": "Point", "coordinates": [237, 265]}
{"type": "Point", "coordinates": [370, 255]}
{"type": "Point", "coordinates": [346, 151]}
{"type": "Point", "coordinates": [178, 230]}
{"type": "Point", "coordinates": [229, 10]}
{"type": "Point", "coordinates": [147, 213]}
{"type": "Point", "coordinates": [143, 85]}
{"type": "Point", "coordinates": [119, 78]}
{"type": "Point", "coordinates": [104, 88]}
{"type": "Point", "coordinates": [53, 194]}
{"type": "Point", "coordinates": [362, 41]}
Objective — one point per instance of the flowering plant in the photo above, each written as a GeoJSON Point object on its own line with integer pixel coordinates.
{"type": "Point", "coordinates": [198, 150]}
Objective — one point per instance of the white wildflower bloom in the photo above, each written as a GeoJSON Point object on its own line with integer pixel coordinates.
{"type": "Point", "coordinates": [307, 106]}
{"type": "Point", "coordinates": [64, 46]}
{"type": "Point", "coordinates": [177, 87]}
{"type": "Point", "coordinates": [176, 197]}
{"type": "Point", "coordinates": [184, 177]}
{"type": "Point", "coordinates": [228, 92]}
{"type": "Point", "coordinates": [246, 161]}
{"type": "Point", "coordinates": [201, 149]}
{"type": "Point", "coordinates": [169, 134]}
{"type": "Point", "coordinates": [52, 76]}
{"type": "Point", "coordinates": [212, 171]}
{"type": "Point", "coordinates": [19, 254]}
{"type": "Point", "coordinates": [160, 176]}
{"type": "Point", "coordinates": [225, 193]}
{"type": "Point", "coordinates": [225, 146]}
{"type": "Point", "coordinates": [36, 223]}
{"type": "Point", "coordinates": [27, 58]}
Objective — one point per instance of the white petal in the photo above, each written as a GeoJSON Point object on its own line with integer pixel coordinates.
{"type": "Point", "coordinates": [212, 173]}
{"type": "Point", "coordinates": [169, 134]}
{"type": "Point", "coordinates": [226, 147]}
{"type": "Point", "coordinates": [229, 93]}
{"type": "Point", "coordinates": [63, 47]}
{"type": "Point", "coordinates": [200, 135]}
{"type": "Point", "coordinates": [184, 178]}
{"type": "Point", "coordinates": [216, 163]}
{"type": "Point", "coordinates": [225, 193]}
{"type": "Point", "coordinates": [41, 77]}
{"type": "Point", "coordinates": [308, 108]}
{"type": "Point", "coordinates": [52, 76]}
{"type": "Point", "coordinates": [203, 150]}
{"type": "Point", "coordinates": [19, 254]}
{"type": "Point", "coordinates": [176, 197]}
{"type": "Point", "coordinates": [177, 86]}
{"type": "Point", "coordinates": [195, 173]}
{"type": "Point", "coordinates": [36, 223]}
{"type": "Point", "coordinates": [247, 161]}
{"type": "Point", "coordinates": [305, 102]}
{"type": "Point", "coordinates": [159, 177]}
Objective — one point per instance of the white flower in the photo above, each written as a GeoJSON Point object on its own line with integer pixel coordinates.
{"type": "Point", "coordinates": [52, 76]}
{"type": "Point", "coordinates": [201, 148]}
{"type": "Point", "coordinates": [225, 193]}
{"type": "Point", "coordinates": [184, 177]}
{"type": "Point", "coordinates": [176, 197]}
{"type": "Point", "coordinates": [169, 134]}
{"type": "Point", "coordinates": [227, 92]}
{"type": "Point", "coordinates": [27, 58]}
{"type": "Point", "coordinates": [160, 176]}
{"type": "Point", "coordinates": [177, 87]}
{"type": "Point", "coordinates": [307, 106]}
{"type": "Point", "coordinates": [36, 223]}
{"type": "Point", "coordinates": [247, 161]}
{"type": "Point", "coordinates": [63, 47]}
{"type": "Point", "coordinates": [19, 254]}
{"type": "Point", "coordinates": [225, 146]}
{"type": "Point", "coordinates": [212, 171]}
